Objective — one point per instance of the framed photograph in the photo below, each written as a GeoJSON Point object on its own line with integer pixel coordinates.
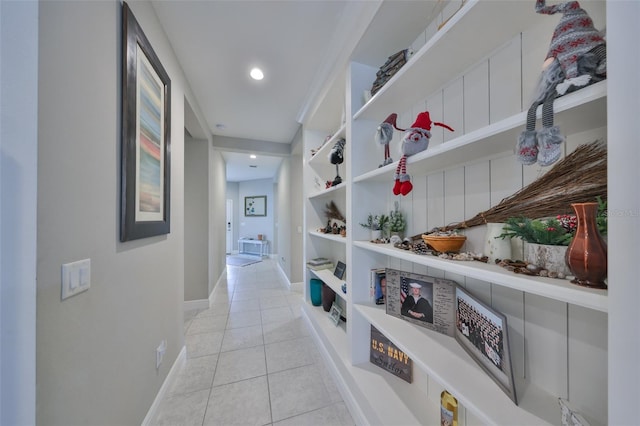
{"type": "Point", "coordinates": [482, 332]}
{"type": "Point", "coordinates": [420, 299]}
{"type": "Point", "coordinates": [335, 313]}
{"type": "Point", "coordinates": [146, 129]}
{"type": "Point", "coordinates": [339, 272]}
{"type": "Point", "coordinates": [379, 286]}
{"type": "Point", "coordinates": [255, 205]}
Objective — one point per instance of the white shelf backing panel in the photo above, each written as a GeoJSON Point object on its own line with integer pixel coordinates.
{"type": "Point", "coordinates": [475, 31]}
{"type": "Point", "coordinates": [378, 397]}
{"type": "Point", "coordinates": [337, 191]}
{"type": "Point", "coordinates": [556, 289]}
{"type": "Point", "coordinates": [447, 362]}
{"type": "Point", "coordinates": [327, 277]}
{"type": "Point", "coordinates": [320, 161]}
{"type": "Point", "coordinates": [579, 111]}
{"type": "Point", "coordinates": [323, 153]}
{"type": "Point", "coordinates": [331, 237]}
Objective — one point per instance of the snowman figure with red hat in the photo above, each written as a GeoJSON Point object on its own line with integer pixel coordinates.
{"type": "Point", "coordinates": [415, 140]}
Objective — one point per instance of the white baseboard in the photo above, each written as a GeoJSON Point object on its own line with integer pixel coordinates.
{"type": "Point", "coordinates": [222, 276]}
{"type": "Point", "coordinates": [192, 305]}
{"type": "Point", "coordinates": [284, 275]}
{"type": "Point", "coordinates": [166, 385]}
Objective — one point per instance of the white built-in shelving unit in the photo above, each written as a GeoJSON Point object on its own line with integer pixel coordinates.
{"type": "Point", "coordinates": [473, 73]}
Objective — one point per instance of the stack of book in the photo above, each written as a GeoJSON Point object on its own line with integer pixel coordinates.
{"type": "Point", "coordinates": [319, 263]}
{"type": "Point", "coordinates": [389, 69]}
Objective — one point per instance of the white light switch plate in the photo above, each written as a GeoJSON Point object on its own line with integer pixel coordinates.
{"type": "Point", "coordinates": [76, 277]}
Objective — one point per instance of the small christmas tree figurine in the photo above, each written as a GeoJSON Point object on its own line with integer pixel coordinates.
{"type": "Point", "coordinates": [397, 222]}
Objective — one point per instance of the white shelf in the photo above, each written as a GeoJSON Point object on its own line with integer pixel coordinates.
{"type": "Point", "coordinates": [556, 289]}
{"type": "Point", "coordinates": [327, 277]}
{"type": "Point", "coordinates": [326, 147]}
{"type": "Point", "coordinates": [334, 190]}
{"type": "Point", "coordinates": [447, 362]}
{"type": "Point", "coordinates": [583, 109]}
{"type": "Point", "coordinates": [332, 237]}
{"type": "Point", "coordinates": [374, 389]}
{"type": "Point", "coordinates": [476, 30]}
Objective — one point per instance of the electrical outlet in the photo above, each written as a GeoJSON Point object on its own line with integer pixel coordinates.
{"type": "Point", "coordinates": [160, 350]}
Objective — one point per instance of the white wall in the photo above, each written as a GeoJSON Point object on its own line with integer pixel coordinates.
{"type": "Point", "coordinates": [196, 214]}
{"type": "Point", "coordinates": [623, 105]}
{"type": "Point", "coordinates": [18, 200]}
{"type": "Point", "coordinates": [232, 189]}
{"type": "Point", "coordinates": [217, 216]}
{"type": "Point", "coordinates": [251, 226]}
{"type": "Point", "coordinates": [283, 217]}
{"type": "Point", "coordinates": [96, 350]}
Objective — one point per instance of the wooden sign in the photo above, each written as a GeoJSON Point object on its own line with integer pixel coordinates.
{"type": "Point", "coordinates": [387, 356]}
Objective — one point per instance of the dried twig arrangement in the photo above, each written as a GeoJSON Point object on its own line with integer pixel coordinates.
{"type": "Point", "coordinates": [332, 212]}
{"type": "Point", "coordinates": [580, 177]}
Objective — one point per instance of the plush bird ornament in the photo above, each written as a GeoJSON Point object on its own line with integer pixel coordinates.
{"type": "Point", "coordinates": [384, 134]}
{"type": "Point", "coordinates": [415, 140]}
{"type": "Point", "coordinates": [577, 57]}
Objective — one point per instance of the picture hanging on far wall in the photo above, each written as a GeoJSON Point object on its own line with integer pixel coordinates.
{"type": "Point", "coordinates": [255, 205]}
{"type": "Point", "coordinates": [146, 118]}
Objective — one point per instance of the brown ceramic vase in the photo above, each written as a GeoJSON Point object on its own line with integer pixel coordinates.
{"type": "Point", "coordinates": [587, 254]}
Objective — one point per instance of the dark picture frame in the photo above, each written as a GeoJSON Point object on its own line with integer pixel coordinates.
{"type": "Point", "coordinates": [339, 271]}
{"type": "Point", "coordinates": [146, 130]}
{"type": "Point", "coordinates": [255, 205]}
{"type": "Point", "coordinates": [483, 333]}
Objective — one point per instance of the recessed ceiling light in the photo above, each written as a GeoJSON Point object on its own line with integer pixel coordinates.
{"type": "Point", "coordinates": [256, 74]}
{"type": "Point", "coordinates": [253, 156]}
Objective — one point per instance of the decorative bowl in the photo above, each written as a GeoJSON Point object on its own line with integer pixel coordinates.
{"type": "Point", "coordinates": [445, 243]}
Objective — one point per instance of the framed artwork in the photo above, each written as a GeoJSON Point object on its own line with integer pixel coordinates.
{"type": "Point", "coordinates": [255, 205]}
{"type": "Point", "coordinates": [340, 269]}
{"type": "Point", "coordinates": [146, 130]}
{"type": "Point", "coordinates": [482, 332]}
{"type": "Point", "coordinates": [335, 313]}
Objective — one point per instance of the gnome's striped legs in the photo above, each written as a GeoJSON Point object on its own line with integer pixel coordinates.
{"type": "Point", "coordinates": [402, 179]}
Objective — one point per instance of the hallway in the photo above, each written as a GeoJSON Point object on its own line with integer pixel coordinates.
{"type": "Point", "coordinates": [251, 360]}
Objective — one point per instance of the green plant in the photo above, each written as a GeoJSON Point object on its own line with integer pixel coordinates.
{"type": "Point", "coordinates": [397, 222]}
{"type": "Point", "coordinates": [376, 222]}
{"type": "Point", "coordinates": [601, 218]}
{"type": "Point", "coordinates": [539, 231]}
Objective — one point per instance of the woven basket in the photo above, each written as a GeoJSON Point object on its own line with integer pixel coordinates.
{"type": "Point", "coordinates": [445, 243]}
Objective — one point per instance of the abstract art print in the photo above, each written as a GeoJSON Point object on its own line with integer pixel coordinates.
{"type": "Point", "coordinates": [145, 174]}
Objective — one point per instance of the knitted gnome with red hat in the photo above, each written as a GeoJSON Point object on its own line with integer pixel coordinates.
{"type": "Point", "coordinates": [577, 57]}
{"type": "Point", "coordinates": [415, 140]}
{"type": "Point", "coordinates": [384, 134]}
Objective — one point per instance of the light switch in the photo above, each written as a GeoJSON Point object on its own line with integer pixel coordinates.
{"type": "Point", "coordinates": [76, 277]}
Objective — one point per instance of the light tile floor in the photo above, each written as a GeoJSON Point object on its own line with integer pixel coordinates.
{"type": "Point", "coordinates": [251, 360]}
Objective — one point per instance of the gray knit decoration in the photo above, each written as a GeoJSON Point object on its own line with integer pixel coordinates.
{"type": "Point", "coordinates": [549, 145]}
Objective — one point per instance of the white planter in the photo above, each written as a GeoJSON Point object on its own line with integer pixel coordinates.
{"type": "Point", "coordinates": [496, 248]}
{"type": "Point", "coordinates": [376, 235]}
{"type": "Point", "coordinates": [548, 257]}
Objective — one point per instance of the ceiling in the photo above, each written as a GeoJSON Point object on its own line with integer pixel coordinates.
{"type": "Point", "coordinates": [301, 45]}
